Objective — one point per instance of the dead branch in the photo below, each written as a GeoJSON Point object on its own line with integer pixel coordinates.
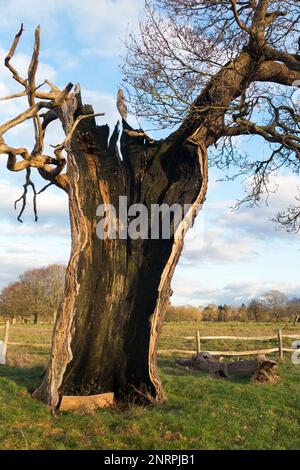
{"type": "Point", "coordinates": [31, 89]}
{"type": "Point", "coordinates": [23, 198]}
{"type": "Point", "coordinates": [65, 144]}
{"type": "Point", "coordinates": [9, 56]}
{"type": "Point", "coordinates": [50, 168]}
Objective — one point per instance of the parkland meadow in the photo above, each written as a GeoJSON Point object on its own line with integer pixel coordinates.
{"type": "Point", "coordinates": [201, 412]}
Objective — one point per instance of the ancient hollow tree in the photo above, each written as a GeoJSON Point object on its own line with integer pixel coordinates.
{"type": "Point", "coordinates": [105, 336]}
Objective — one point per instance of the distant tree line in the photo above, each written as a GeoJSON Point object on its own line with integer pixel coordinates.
{"type": "Point", "coordinates": [273, 306]}
{"type": "Point", "coordinates": [35, 296]}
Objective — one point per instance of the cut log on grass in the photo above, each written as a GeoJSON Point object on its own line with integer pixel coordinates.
{"type": "Point", "coordinates": [86, 403]}
{"type": "Point", "coordinates": [261, 370]}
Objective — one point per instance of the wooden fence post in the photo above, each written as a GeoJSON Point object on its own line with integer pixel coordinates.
{"type": "Point", "coordinates": [6, 331]}
{"type": "Point", "coordinates": [198, 342]}
{"type": "Point", "coordinates": [280, 344]}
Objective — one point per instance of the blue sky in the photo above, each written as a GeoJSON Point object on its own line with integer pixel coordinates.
{"type": "Point", "coordinates": [228, 257]}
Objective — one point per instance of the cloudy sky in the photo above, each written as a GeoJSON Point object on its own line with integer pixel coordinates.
{"type": "Point", "coordinates": [229, 256]}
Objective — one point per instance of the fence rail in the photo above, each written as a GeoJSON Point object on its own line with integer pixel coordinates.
{"type": "Point", "coordinates": [246, 338]}
{"type": "Point", "coordinates": [279, 349]}
{"type": "Point", "coordinates": [278, 337]}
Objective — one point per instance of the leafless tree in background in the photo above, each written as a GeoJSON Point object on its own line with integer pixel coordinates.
{"type": "Point", "coordinates": [275, 301]}
{"type": "Point", "coordinates": [37, 294]}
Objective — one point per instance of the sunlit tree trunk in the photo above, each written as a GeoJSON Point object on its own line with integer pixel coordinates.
{"type": "Point", "coordinates": [105, 336]}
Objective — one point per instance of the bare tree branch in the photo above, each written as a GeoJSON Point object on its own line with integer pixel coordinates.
{"type": "Point", "coordinates": [276, 72]}
{"type": "Point", "coordinates": [50, 168]}
{"type": "Point", "coordinates": [23, 198]}
{"type": "Point", "coordinates": [10, 55]}
{"type": "Point", "coordinates": [221, 69]}
{"type": "Point", "coordinates": [289, 219]}
{"type": "Point", "coordinates": [240, 23]}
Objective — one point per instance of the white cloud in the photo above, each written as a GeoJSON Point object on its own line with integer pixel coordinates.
{"type": "Point", "coordinates": [52, 203]}
{"type": "Point", "coordinates": [21, 62]}
{"type": "Point", "coordinates": [100, 25]}
{"type": "Point", "coordinates": [218, 246]}
{"type": "Point", "coordinates": [28, 245]}
{"type": "Point", "coordinates": [236, 293]}
{"type": "Point", "coordinates": [103, 24]}
{"type": "Point", "coordinates": [31, 12]}
{"type": "Point", "coordinates": [102, 103]}
{"type": "Point", "coordinates": [221, 235]}
{"type": "Point", "coordinates": [14, 262]}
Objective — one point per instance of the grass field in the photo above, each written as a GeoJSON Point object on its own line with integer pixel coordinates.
{"type": "Point", "coordinates": [201, 413]}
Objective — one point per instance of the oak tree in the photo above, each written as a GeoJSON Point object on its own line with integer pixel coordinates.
{"type": "Point", "coordinates": [209, 67]}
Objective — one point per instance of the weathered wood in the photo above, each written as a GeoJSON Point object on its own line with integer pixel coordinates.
{"type": "Point", "coordinates": [280, 344]}
{"type": "Point", "coordinates": [34, 345]}
{"type": "Point", "coordinates": [198, 342]}
{"type": "Point", "coordinates": [6, 334]}
{"type": "Point", "coordinates": [222, 353]}
{"type": "Point", "coordinates": [260, 369]}
{"type": "Point", "coordinates": [241, 338]}
{"type": "Point", "coordinates": [117, 290]}
{"type": "Point", "coordinates": [246, 338]}
{"type": "Point", "coordinates": [297, 336]}
{"type": "Point", "coordinates": [86, 403]}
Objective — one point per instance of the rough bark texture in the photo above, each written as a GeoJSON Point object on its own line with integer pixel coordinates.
{"type": "Point", "coordinates": [260, 370]}
{"type": "Point", "coordinates": [105, 337]}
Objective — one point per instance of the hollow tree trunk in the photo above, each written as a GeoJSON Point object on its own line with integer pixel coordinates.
{"type": "Point", "coordinates": [106, 331]}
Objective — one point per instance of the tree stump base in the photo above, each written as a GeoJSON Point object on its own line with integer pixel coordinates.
{"type": "Point", "coordinates": [260, 370]}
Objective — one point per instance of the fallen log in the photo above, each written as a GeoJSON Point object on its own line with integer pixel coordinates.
{"type": "Point", "coordinates": [88, 403]}
{"type": "Point", "coordinates": [261, 370]}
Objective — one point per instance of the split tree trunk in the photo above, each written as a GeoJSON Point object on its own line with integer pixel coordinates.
{"type": "Point", "coordinates": [106, 331]}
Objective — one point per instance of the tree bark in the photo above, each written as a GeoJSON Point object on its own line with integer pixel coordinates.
{"type": "Point", "coordinates": [106, 331]}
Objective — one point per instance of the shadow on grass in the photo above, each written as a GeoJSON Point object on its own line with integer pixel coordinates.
{"type": "Point", "coordinates": [28, 377]}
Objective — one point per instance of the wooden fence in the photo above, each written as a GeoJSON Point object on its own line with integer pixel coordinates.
{"type": "Point", "coordinates": [280, 349]}
{"type": "Point", "coordinates": [279, 337]}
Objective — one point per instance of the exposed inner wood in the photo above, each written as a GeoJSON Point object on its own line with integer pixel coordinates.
{"type": "Point", "coordinates": [86, 403]}
{"type": "Point", "coordinates": [105, 337]}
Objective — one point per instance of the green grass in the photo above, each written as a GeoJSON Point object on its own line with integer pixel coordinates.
{"type": "Point", "coordinates": [201, 413]}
